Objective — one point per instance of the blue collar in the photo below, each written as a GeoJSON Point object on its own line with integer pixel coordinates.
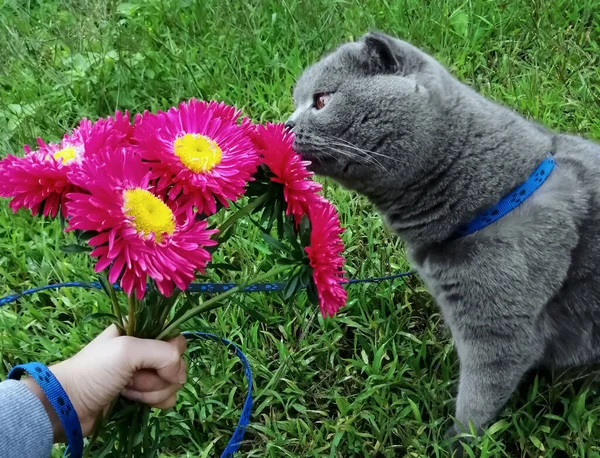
{"type": "Point", "coordinates": [509, 202]}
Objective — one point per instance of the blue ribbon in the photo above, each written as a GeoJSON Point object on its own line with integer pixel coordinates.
{"type": "Point", "coordinates": [509, 202]}
{"type": "Point", "coordinates": [60, 403]}
{"type": "Point", "coordinates": [236, 439]}
{"type": "Point", "coordinates": [208, 288]}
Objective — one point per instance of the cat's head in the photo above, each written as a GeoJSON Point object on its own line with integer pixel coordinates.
{"type": "Point", "coordinates": [366, 113]}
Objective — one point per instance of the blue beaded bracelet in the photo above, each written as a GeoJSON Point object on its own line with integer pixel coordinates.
{"type": "Point", "coordinates": [60, 403]}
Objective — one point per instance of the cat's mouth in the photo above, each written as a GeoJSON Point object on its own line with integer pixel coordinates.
{"type": "Point", "coordinates": [317, 160]}
{"type": "Point", "coordinates": [321, 162]}
{"type": "Point", "coordinates": [318, 164]}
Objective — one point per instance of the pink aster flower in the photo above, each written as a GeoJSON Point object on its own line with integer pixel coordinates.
{"type": "Point", "coordinates": [274, 143]}
{"type": "Point", "coordinates": [199, 153]}
{"type": "Point", "coordinates": [39, 180]}
{"type": "Point", "coordinates": [139, 234]}
{"type": "Point", "coordinates": [325, 257]}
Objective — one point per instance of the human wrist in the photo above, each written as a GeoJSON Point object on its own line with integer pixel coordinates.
{"type": "Point", "coordinates": [57, 428]}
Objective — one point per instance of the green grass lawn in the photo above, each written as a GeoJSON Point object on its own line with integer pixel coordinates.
{"type": "Point", "coordinates": [377, 381]}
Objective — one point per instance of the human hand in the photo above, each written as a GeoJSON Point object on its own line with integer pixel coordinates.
{"type": "Point", "coordinates": [144, 370]}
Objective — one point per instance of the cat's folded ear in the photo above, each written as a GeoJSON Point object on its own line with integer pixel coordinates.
{"type": "Point", "coordinates": [381, 54]}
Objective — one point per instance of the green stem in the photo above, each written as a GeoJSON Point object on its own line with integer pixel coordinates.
{"type": "Point", "coordinates": [130, 440]}
{"type": "Point", "coordinates": [135, 426]}
{"type": "Point", "coordinates": [214, 302]}
{"type": "Point", "coordinates": [133, 303]}
{"type": "Point", "coordinates": [243, 212]}
{"type": "Point", "coordinates": [114, 300]}
{"type": "Point", "coordinates": [163, 315]}
{"type": "Point", "coordinates": [99, 427]}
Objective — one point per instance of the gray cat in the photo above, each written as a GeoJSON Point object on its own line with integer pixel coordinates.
{"type": "Point", "coordinates": [387, 120]}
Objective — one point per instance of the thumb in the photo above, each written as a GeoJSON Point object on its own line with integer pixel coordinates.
{"type": "Point", "coordinates": [109, 333]}
{"type": "Point", "coordinates": [163, 357]}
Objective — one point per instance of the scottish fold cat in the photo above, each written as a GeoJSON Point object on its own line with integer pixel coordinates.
{"type": "Point", "coordinates": [388, 121]}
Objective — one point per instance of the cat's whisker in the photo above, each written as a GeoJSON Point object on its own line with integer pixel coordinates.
{"type": "Point", "coordinates": [364, 151]}
{"type": "Point", "coordinates": [367, 159]}
{"type": "Point", "coordinates": [344, 143]}
{"type": "Point", "coordinates": [329, 155]}
{"type": "Point", "coordinates": [358, 153]}
{"type": "Point", "coordinates": [344, 149]}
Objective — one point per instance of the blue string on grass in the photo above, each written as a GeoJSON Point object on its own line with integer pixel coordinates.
{"type": "Point", "coordinates": [209, 288]}
{"type": "Point", "coordinates": [238, 434]}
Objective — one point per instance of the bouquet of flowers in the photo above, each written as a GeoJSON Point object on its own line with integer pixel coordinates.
{"type": "Point", "coordinates": [141, 196]}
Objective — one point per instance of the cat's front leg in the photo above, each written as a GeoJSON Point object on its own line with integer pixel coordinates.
{"type": "Point", "coordinates": [491, 365]}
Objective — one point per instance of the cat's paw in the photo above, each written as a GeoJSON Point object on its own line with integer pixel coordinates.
{"type": "Point", "coordinates": [452, 432]}
{"type": "Point", "coordinates": [456, 437]}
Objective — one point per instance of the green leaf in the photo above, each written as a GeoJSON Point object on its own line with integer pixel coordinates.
{"type": "Point", "coordinates": [577, 412]}
{"type": "Point", "coordinates": [579, 408]}
{"type": "Point", "coordinates": [538, 444]}
{"type": "Point", "coordinates": [280, 225]}
{"type": "Point", "coordinates": [154, 450]}
{"type": "Point", "coordinates": [86, 235]}
{"type": "Point", "coordinates": [266, 214]}
{"type": "Point", "coordinates": [291, 287]}
{"type": "Point", "coordinates": [106, 448]}
{"type": "Point", "coordinates": [223, 237]}
{"type": "Point", "coordinates": [305, 229]}
{"type": "Point", "coordinates": [299, 408]}
{"type": "Point", "coordinates": [40, 212]}
{"type": "Point", "coordinates": [223, 266]}
{"type": "Point", "coordinates": [497, 427]}
{"type": "Point", "coordinates": [277, 209]}
{"type": "Point", "coordinates": [335, 442]}
{"type": "Point", "coordinates": [342, 404]}
{"type": "Point", "coordinates": [313, 295]}
{"type": "Point", "coordinates": [188, 303]}
{"type": "Point", "coordinates": [288, 229]}
{"type": "Point", "coordinates": [253, 313]}
{"type": "Point", "coordinates": [287, 262]}
{"type": "Point", "coordinates": [460, 22]}
{"type": "Point", "coordinates": [274, 243]}
{"type": "Point", "coordinates": [75, 248]}
{"type": "Point", "coordinates": [299, 255]}
{"type": "Point", "coordinates": [97, 316]}
{"type": "Point", "coordinates": [127, 9]}
{"type": "Point", "coordinates": [415, 409]}
{"type": "Point", "coordinates": [106, 286]}
{"type": "Point", "coordinates": [305, 275]}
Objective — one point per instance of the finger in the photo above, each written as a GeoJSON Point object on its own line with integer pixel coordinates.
{"type": "Point", "coordinates": [182, 374]}
{"type": "Point", "coordinates": [161, 356]}
{"type": "Point", "coordinates": [180, 343]}
{"type": "Point", "coordinates": [146, 380]}
{"type": "Point", "coordinates": [174, 373]}
{"type": "Point", "coordinates": [109, 333]}
{"type": "Point", "coordinates": [167, 404]}
{"type": "Point", "coordinates": [152, 397]}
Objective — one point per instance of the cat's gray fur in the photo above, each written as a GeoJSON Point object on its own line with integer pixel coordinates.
{"type": "Point", "coordinates": [431, 153]}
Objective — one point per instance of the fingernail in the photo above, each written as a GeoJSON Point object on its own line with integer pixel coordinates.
{"type": "Point", "coordinates": [182, 379]}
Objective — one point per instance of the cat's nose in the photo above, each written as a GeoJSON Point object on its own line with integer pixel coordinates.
{"type": "Point", "coordinates": [289, 124]}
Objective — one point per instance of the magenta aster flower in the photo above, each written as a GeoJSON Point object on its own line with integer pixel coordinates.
{"type": "Point", "coordinates": [325, 257]}
{"type": "Point", "coordinates": [139, 234]}
{"type": "Point", "coordinates": [39, 180]}
{"type": "Point", "coordinates": [274, 144]}
{"type": "Point", "coordinates": [198, 152]}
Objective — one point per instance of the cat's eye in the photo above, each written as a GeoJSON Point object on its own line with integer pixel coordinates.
{"type": "Point", "coordinates": [321, 100]}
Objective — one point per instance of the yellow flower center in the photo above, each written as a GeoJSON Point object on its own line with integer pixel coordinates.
{"type": "Point", "coordinates": [149, 213]}
{"type": "Point", "coordinates": [66, 155]}
{"type": "Point", "coordinates": [197, 152]}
